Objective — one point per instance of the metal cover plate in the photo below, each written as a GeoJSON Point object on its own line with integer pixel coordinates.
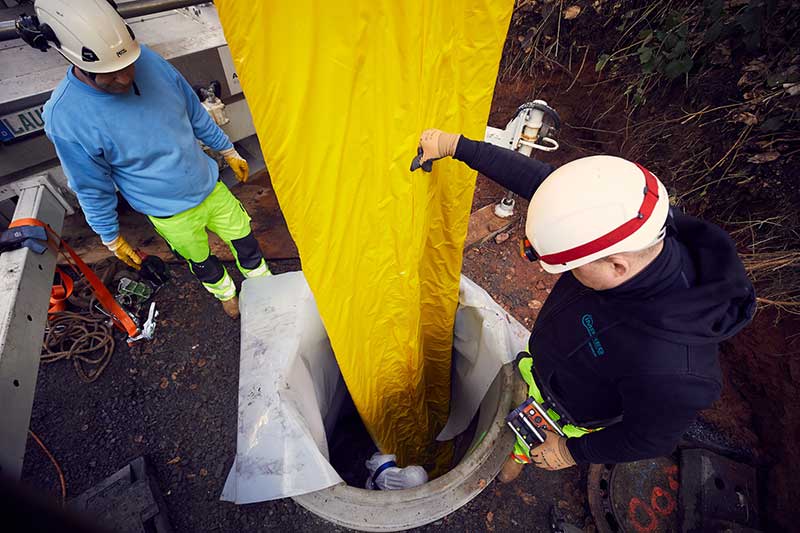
{"type": "Point", "coordinates": [717, 490]}
{"type": "Point", "coordinates": [635, 497]}
{"type": "Point", "coordinates": [644, 495]}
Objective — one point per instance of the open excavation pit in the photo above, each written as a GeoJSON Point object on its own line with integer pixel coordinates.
{"type": "Point", "coordinates": [291, 396]}
{"type": "Point", "coordinates": [368, 510]}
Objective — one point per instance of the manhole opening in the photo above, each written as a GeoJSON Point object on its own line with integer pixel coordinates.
{"type": "Point", "coordinates": [350, 444]}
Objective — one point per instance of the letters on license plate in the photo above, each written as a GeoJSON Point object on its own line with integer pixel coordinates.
{"type": "Point", "coordinates": [21, 123]}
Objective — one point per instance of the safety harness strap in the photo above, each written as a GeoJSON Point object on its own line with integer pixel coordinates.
{"type": "Point", "coordinates": [60, 292]}
{"type": "Point", "coordinates": [104, 296]}
{"type": "Point", "coordinates": [616, 235]}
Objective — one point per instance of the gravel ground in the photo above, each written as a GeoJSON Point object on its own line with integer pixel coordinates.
{"type": "Point", "coordinates": [175, 401]}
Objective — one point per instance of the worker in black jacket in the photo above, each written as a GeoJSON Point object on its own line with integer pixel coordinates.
{"type": "Point", "coordinates": [624, 351]}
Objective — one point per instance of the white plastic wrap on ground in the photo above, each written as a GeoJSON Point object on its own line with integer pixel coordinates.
{"type": "Point", "coordinates": [485, 338]}
{"type": "Point", "coordinates": [287, 380]}
{"type": "Point", "coordinates": [290, 387]}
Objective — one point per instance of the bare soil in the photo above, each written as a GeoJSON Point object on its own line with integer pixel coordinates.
{"type": "Point", "coordinates": [759, 406]}
{"type": "Point", "coordinates": [758, 412]}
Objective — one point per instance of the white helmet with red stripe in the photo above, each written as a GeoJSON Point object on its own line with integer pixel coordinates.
{"type": "Point", "coordinates": [594, 207]}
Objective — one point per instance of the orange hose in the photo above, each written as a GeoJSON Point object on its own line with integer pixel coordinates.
{"type": "Point", "coordinates": [55, 463]}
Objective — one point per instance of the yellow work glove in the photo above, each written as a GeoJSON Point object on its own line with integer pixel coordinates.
{"type": "Point", "coordinates": [124, 252]}
{"type": "Point", "coordinates": [553, 453]}
{"type": "Point", "coordinates": [237, 164]}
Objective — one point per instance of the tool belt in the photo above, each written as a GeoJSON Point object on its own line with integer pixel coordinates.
{"type": "Point", "coordinates": [525, 366]}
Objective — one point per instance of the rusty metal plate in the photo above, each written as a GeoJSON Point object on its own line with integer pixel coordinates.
{"type": "Point", "coordinates": [717, 493]}
{"type": "Point", "coordinates": [644, 495]}
{"type": "Point", "coordinates": [639, 497]}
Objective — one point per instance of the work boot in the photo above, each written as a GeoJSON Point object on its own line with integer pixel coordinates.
{"type": "Point", "coordinates": [510, 471]}
{"type": "Point", "coordinates": [231, 307]}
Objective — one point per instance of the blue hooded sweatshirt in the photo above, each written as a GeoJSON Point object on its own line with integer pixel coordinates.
{"type": "Point", "coordinates": [641, 359]}
{"type": "Point", "coordinates": [143, 144]}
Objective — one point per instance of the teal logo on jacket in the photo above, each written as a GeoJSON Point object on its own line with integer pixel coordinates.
{"type": "Point", "coordinates": [594, 343]}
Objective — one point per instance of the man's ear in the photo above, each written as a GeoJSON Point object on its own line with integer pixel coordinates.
{"type": "Point", "coordinates": [620, 264]}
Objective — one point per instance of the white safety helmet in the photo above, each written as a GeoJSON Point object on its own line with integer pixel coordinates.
{"type": "Point", "coordinates": [594, 207]}
{"type": "Point", "coordinates": [90, 34]}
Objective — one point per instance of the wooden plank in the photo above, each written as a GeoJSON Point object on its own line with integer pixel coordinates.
{"type": "Point", "coordinates": [485, 225]}
{"type": "Point", "coordinates": [256, 195]}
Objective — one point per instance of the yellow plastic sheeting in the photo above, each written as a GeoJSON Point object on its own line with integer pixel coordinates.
{"type": "Point", "coordinates": [339, 93]}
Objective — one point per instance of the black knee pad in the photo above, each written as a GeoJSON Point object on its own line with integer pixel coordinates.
{"type": "Point", "coordinates": [248, 251]}
{"type": "Point", "coordinates": [208, 271]}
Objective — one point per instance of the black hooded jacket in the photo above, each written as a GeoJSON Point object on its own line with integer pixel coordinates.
{"type": "Point", "coordinates": [641, 359]}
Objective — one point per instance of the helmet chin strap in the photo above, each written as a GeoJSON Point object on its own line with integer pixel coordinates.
{"type": "Point", "coordinates": [91, 75]}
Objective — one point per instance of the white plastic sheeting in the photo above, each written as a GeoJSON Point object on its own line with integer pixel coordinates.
{"type": "Point", "coordinates": [288, 379]}
{"type": "Point", "coordinates": [485, 338]}
{"type": "Point", "coordinates": [290, 387]}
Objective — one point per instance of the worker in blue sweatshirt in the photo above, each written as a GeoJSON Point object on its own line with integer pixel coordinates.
{"type": "Point", "coordinates": [124, 119]}
{"type": "Point", "coordinates": [623, 353]}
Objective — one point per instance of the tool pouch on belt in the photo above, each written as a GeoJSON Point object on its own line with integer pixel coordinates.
{"type": "Point", "coordinates": [524, 363]}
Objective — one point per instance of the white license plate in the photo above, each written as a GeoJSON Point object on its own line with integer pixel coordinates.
{"type": "Point", "coordinates": [21, 123]}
